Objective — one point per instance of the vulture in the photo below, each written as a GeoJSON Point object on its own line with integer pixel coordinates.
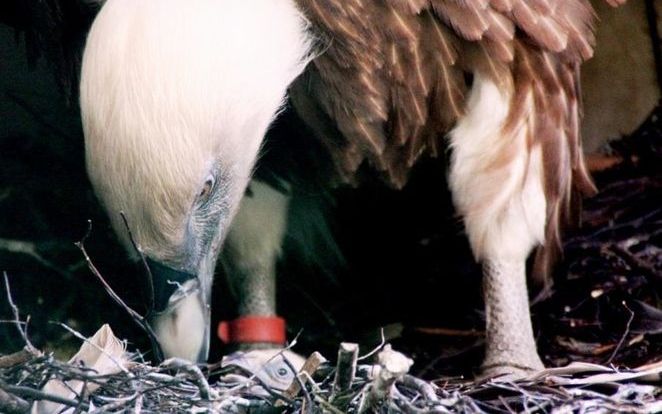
{"type": "Point", "coordinates": [177, 96]}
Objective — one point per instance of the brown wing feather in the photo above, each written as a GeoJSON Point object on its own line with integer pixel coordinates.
{"type": "Point", "coordinates": [392, 79]}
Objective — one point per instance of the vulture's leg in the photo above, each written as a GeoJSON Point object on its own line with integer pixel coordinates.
{"type": "Point", "coordinates": [249, 257]}
{"type": "Point", "coordinates": [496, 180]}
{"type": "Point", "coordinates": [510, 344]}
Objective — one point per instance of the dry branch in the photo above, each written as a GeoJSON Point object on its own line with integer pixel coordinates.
{"type": "Point", "coordinates": [177, 386]}
{"type": "Point", "coordinates": [345, 368]}
{"type": "Point", "coordinates": [139, 319]}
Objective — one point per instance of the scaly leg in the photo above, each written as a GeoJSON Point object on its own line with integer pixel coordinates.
{"type": "Point", "coordinates": [497, 183]}
{"type": "Point", "coordinates": [510, 345]}
{"type": "Point", "coordinates": [249, 256]}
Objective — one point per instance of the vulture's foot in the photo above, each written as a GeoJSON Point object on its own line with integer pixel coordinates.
{"type": "Point", "coordinates": [510, 371]}
{"type": "Point", "coordinates": [510, 347]}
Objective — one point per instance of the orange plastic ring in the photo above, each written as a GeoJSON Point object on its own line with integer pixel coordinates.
{"type": "Point", "coordinates": [253, 329]}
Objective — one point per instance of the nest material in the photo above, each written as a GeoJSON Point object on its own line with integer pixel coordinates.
{"type": "Point", "coordinates": [176, 386]}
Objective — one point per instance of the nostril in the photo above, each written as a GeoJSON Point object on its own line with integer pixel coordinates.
{"type": "Point", "coordinates": [165, 282]}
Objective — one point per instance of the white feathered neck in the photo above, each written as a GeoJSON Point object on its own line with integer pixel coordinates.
{"type": "Point", "coordinates": [168, 88]}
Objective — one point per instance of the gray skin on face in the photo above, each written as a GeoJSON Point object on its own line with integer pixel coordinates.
{"type": "Point", "coordinates": [182, 284]}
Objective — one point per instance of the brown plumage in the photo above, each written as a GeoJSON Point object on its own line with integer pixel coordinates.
{"type": "Point", "coordinates": [391, 80]}
{"type": "Point", "coordinates": [393, 76]}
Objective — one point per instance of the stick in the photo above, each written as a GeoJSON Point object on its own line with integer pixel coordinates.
{"type": "Point", "coordinates": [625, 334]}
{"type": "Point", "coordinates": [40, 395]}
{"type": "Point", "coordinates": [120, 403]}
{"type": "Point", "coordinates": [307, 370]}
{"type": "Point", "coordinates": [22, 328]}
{"type": "Point", "coordinates": [150, 282]}
{"type": "Point", "coordinates": [326, 405]}
{"type": "Point", "coordinates": [30, 249]}
{"type": "Point", "coordinates": [345, 368]}
{"type": "Point", "coordinates": [12, 404]}
{"type": "Point", "coordinates": [20, 357]}
{"type": "Point", "coordinates": [97, 347]}
{"type": "Point", "coordinates": [139, 319]}
{"type": "Point", "coordinates": [424, 388]}
{"type": "Point", "coordinates": [394, 366]}
{"type": "Point", "coordinates": [194, 372]}
{"type": "Point", "coordinates": [374, 351]}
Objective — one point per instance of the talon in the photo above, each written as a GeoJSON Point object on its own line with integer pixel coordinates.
{"type": "Point", "coordinates": [508, 371]}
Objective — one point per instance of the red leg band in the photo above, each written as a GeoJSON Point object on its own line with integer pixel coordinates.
{"type": "Point", "coordinates": [253, 329]}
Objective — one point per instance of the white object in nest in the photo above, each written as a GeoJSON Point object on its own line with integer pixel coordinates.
{"type": "Point", "coordinates": [103, 352]}
{"type": "Point", "coordinates": [268, 366]}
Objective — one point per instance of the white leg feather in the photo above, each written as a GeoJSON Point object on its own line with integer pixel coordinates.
{"type": "Point", "coordinates": [495, 178]}
{"type": "Point", "coordinates": [497, 185]}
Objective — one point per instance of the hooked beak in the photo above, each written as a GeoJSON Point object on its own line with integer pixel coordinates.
{"type": "Point", "coordinates": [181, 312]}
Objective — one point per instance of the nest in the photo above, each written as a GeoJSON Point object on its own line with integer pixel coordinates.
{"type": "Point", "coordinates": [27, 379]}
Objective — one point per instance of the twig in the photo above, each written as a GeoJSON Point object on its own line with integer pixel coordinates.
{"type": "Point", "coordinates": [425, 388]}
{"type": "Point", "coordinates": [345, 368]}
{"type": "Point", "coordinates": [40, 395]}
{"type": "Point", "coordinates": [393, 366]}
{"type": "Point", "coordinates": [150, 282]}
{"type": "Point", "coordinates": [377, 349]}
{"type": "Point", "coordinates": [194, 372]}
{"type": "Point", "coordinates": [625, 334]}
{"type": "Point", "coordinates": [327, 405]}
{"type": "Point", "coordinates": [81, 398]}
{"type": "Point", "coordinates": [16, 358]}
{"type": "Point", "coordinates": [116, 404]}
{"type": "Point", "coordinates": [12, 404]}
{"type": "Point", "coordinates": [309, 367]}
{"type": "Point", "coordinates": [138, 404]}
{"type": "Point", "coordinates": [12, 322]}
{"type": "Point", "coordinates": [406, 406]}
{"type": "Point", "coordinates": [30, 249]}
{"type": "Point", "coordinates": [635, 262]}
{"type": "Point", "coordinates": [151, 391]}
{"type": "Point", "coordinates": [97, 347]}
{"type": "Point", "coordinates": [22, 328]}
{"type": "Point", "coordinates": [139, 319]}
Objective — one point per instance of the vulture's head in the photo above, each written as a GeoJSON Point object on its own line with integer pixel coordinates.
{"type": "Point", "coordinates": [176, 98]}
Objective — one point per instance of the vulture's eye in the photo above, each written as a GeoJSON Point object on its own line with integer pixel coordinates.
{"type": "Point", "coordinates": [206, 189]}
